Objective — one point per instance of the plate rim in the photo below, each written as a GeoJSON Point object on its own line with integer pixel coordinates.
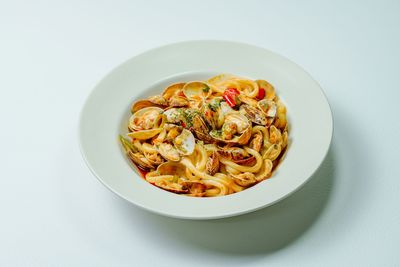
{"type": "Point", "coordinates": [187, 42]}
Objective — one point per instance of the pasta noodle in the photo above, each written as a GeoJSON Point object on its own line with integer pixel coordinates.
{"type": "Point", "coordinates": [208, 138]}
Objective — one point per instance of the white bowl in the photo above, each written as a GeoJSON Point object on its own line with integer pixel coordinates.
{"type": "Point", "coordinates": [107, 109]}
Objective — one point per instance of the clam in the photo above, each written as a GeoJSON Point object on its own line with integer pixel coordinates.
{"type": "Point", "coordinates": [173, 89]}
{"type": "Point", "coordinates": [144, 134]}
{"type": "Point", "coordinates": [185, 142]}
{"type": "Point", "coordinates": [253, 114]}
{"type": "Point", "coordinates": [172, 168]}
{"type": "Point", "coordinates": [200, 129]}
{"type": "Point", "coordinates": [197, 90]}
{"type": "Point", "coordinates": [168, 152]}
{"type": "Point", "coordinates": [154, 158]}
{"type": "Point", "coordinates": [158, 100]}
{"type": "Point", "coordinates": [281, 120]}
{"type": "Point", "coordinates": [241, 121]}
{"type": "Point", "coordinates": [171, 186]}
{"type": "Point", "coordinates": [268, 107]}
{"type": "Point", "coordinates": [173, 131]}
{"type": "Point", "coordinates": [173, 115]}
{"type": "Point", "coordinates": [233, 153]}
{"type": "Point", "coordinates": [133, 153]}
{"type": "Point", "coordinates": [212, 164]}
{"type": "Point", "coordinates": [269, 89]}
{"type": "Point", "coordinates": [196, 188]}
{"type": "Point", "coordinates": [146, 118]}
{"type": "Point", "coordinates": [244, 179]}
{"type": "Point", "coordinates": [168, 176]}
{"type": "Point", "coordinates": [140, 160]}
{"type": "Point", "coordinates": [178, 101]}
{"type": "Point", "coordinates": [211, 115]}
{"type": "Point", "coordinates": [236, 129]}
{"type": "Point", "coordinates": [141, 104]}
{"type": "Point", "coordinates": [272, 152]}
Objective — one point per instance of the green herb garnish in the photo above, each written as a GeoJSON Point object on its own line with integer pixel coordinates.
{"type": "Point", "coordinates": [214, 104]}
{"type": "Point", "coordinates": [206, 89]}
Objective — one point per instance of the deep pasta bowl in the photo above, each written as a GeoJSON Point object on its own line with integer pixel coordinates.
{"type": "Point", "coordinates": [106, 112]}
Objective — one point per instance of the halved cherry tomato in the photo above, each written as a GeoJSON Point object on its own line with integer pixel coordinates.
{"type": "Point", "coordinates": [230, 95]}
{"type": "Point", "coordinates": [261, 93]}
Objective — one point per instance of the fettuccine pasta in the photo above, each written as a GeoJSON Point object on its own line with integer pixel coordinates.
{"type": "Point", "coordinates": [208, 138]}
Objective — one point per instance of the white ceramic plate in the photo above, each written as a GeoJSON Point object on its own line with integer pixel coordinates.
{"type": "Point", "coordinates": [107, 109]}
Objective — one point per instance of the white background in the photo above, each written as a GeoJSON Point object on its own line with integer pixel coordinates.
{"type": "Point", "coordinates": [54, 213]}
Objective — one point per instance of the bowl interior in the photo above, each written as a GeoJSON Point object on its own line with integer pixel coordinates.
{"type": "Point", "coordinates": [159, 86]}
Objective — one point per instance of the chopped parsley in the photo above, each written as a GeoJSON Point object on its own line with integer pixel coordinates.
{"type": "Point", "coordinates": [206, 89]}
{"type": "Point", "coordinates": [214, 104]}
{"type": "Point", "coordinates": [189, 114]}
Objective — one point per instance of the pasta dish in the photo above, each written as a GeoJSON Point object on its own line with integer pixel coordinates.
{"type": "Point", "coordinates": [208, 138]}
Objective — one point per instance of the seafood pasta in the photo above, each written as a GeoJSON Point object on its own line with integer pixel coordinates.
{"type": "Point", "coordinates": [208, 138]}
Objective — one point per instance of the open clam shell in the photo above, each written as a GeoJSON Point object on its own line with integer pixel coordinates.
{"type": "Point", "coordinates": [169, 152]}
{"type": "Point", "coordinates": [172, 168]}
{"type": "Point", "coordinates": [141, 104]}
{"type": "Point", "coordinates": [172, 90]}
{"type": "Point", "coordinates": [241, 139]}
{"type": "Point", "coordinates": [144, 134]}
{"type": "Point", "coordinates": [253, 114]}
{"type": "Point", "coordinates": [146, 119]}
{"type": "Point", "coordinates": [185, 142]}
{"type": "Point", "coordinates": [241, 131]}
{"type": "Point", "coordinates": [197, 90]}
{"type": "Point", "coordinates": [268, 107]}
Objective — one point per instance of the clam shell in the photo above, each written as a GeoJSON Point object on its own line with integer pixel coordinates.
{"type": "Point", "coordinates": [172, 90]}
{"type": "Point", "coordinates": [253, 114]}
{"type": "Point", "coordinates": [170, 186]}
{"type": "Point", "coordinates": [212, 164]}
{"type": "Point", "coordinates": [245, 136]}
{"type": "Point", "coordinates": [240, 120]}
{"type": "Point", "coordinates": [268, 107]}
{"type": "Point", "coordinates": [158, 100]}
{"type": "Point", "coordinates": [172, 168]}
{"type": "Point", "coordinates": [173, 115]}
{"type": "Point", "coordinates": [138, 105]}
{"type": "Point", "coordinates": [168, 152]}
{"type": "Point", "coordinates": [178, 101]}
{"type": "Point", "coordinates": [144, 134]}
{"type": "Point", "coordinates": [197, 90]}
{"type": "Point", "coordinates": [146, 119]}
{"type": "Point", "coordinates": [257, 141]}
{"type": "Point", "coordinates": [241, 139]}
{"type": "Point", "coordinates": [140, 160]}
{"type": "Point", "coordinates": [185, 142]}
